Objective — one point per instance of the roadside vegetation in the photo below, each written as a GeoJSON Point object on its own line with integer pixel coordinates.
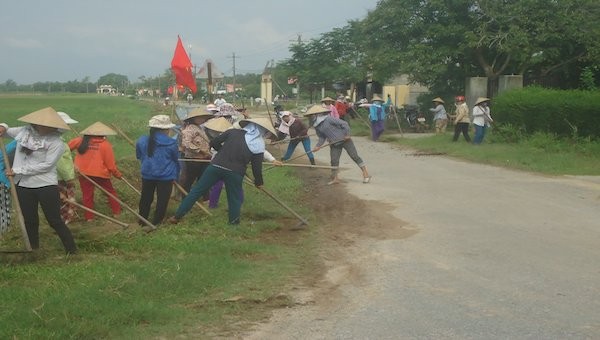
{"type": "Point", "coordinates": [541, 152]}
{"type": "Point", "coordinates": [198, 278]}
{"type": "Point", "coordinates": [505, 145]}
{"type": "Point", "coordinates": [201, 278]}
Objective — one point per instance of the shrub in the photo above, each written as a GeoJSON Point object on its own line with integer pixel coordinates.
{"type": "Point", "coordinates": [571, 113]}
{"type": "Point", "coordinates": [507, 133]}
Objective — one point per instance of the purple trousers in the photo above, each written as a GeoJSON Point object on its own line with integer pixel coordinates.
{"type": "Point", "coordinates": [215, 193]}
{"type": "Point", "coordinates": [377, 127]}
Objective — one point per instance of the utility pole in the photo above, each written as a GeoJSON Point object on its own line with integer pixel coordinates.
{"type": "Point", "coordinates": [233, 56]}
{"type": "Point", "coordinates": [297, 42]}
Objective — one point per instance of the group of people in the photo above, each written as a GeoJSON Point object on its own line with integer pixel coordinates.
{"type": "Point", "coordinates": [37, 168]}
{"type": "Point", "coordinates": [480, 117]}
{"type": "Point", "coordinates": [44, 171]}
{"type": "Point", "coordinates": [211, 150]}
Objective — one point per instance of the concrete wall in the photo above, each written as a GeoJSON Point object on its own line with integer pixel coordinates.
{"type": "Point", "coordinates": [266, 88]}
{"type": "Point", "coordinates": [509, 82]}
{"type": "Point", "coordinates": [475, 87]}
{"type": "Point", "coordinates": [400, 94]}
{"type": "Point", "coordinates": [404, 91]}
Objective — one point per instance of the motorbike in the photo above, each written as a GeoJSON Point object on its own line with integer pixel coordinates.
{"type": "Point", "coordinates": [415, 119]}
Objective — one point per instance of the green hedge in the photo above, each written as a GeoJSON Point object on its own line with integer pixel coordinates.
{"type": "Point", "coordinates": [561, 112]}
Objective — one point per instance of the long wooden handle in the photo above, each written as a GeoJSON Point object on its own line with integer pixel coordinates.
{"type": "Point", "coordinates": [131, 186]}
{"type": "Point", "coordinates": [120, 132]}
{"type": "Point", "coordinates": [361, 118]}
{"type": "Point", "coordinates": [249, 182]}
{"type": "Point", "coordinates": [291, 139]}
{"type": "Point", "coordinates": [118, 200]}
{"type": "Point", "coordinates": [114, 220]}
{"type": "Point", "coordinates": [302, 155]}
{"type": "Point", "coordinates": [283, 164]}
{"type": "Point", "coordinates": [182, 190]}
{"type": "Point", "coordinates": [15, 197]}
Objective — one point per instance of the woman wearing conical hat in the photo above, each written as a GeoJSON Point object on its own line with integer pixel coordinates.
{"type": "Point", "coordinates": [215, 127]}
{"type": "Point", "coordinates": [39, 147]}
{"type": "Point", "coordinates": [95, 159]}
{"type": "Point", "coordinates": [377, 113]}
{"type": "Point", "coordinates": [235, 149]}
{"type": "Point", "coordinates": [337, 133]}
{"type": "Point", "coordinates": [298, 133]}
{"type": "Point", "coordinates": [328, 103]}
{"type": "Point", "coordinates": [440, 116]}
{"type": "Point", "coordinates": [194, 143]}
{"type": "Point", "coordinates": [481, 118]}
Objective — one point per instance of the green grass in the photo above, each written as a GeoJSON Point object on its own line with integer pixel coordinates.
{"type": "Point", "coordinates": [197, 278]}
{"type": "Point", "coordinates": [538, 153]}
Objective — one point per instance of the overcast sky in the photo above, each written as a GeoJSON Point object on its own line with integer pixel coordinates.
{"type": "Point", "coordinates": [65, 40]}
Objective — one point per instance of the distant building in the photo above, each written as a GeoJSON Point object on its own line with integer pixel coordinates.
{"type": "Point", "coordinates": [106, 89]}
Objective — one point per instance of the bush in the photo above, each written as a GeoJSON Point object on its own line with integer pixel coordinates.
{"type": "Point", "coordinates": [507, 133]}
{"type": "Point", "coordinates": [572, 113]}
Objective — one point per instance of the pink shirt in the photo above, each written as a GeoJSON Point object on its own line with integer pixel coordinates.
{"type": "Point", "coordinates": [334, 112]}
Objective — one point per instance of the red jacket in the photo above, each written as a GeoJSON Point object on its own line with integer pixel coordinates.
{"type": "Point", "coordinates": [342, 108]}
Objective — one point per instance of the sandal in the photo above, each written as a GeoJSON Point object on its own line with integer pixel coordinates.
{"type": "Point", "coordinates": [367, 179]}
{"type": "Point", "coordinates": [335, 181]}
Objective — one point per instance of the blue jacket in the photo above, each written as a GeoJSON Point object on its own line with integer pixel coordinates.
{"type": "Point", "coordinates": [10, 147]}
{"type": "Point", "coordinates": [164, 163]}
{"type": "Point", "coordinates": [377, 112]}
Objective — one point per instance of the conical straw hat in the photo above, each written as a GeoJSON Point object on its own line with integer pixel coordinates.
{"type": "Point", "coordinates": [98, 129]}
{"type": "Point", "coordinates": [45, 117]}
{"type": "Point", "coordinates": [481, 100]}
{"type": "Point", "coordinates": [439, 100]}
{"type": "Point", "coordinates": [264, 122]}
{"type": "Point", "coordinates": [327, 99]}
{"type": "Point", "coordinates": [198, 113]}
{"type": "Point", "coordinates": [316, 109]}
{"type": "Point", "coordinates": [218, 124]}
{"type": "Point", "coordinates": [377, 98]}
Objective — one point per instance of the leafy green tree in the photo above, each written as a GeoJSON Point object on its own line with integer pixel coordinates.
{"type": "Point", "coordinates": [439, 42]}
{"type": "Point", "coordinates": [334, 57]}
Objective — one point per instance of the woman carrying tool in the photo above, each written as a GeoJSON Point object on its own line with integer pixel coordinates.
{"type": "Point", "coordinates": [298, 132]}
{"type": "Point", "coordinates": [95, 159]}
{"type": "Point", "coordinates": [38, 149]}
{"type": "Point", "coordinates": [235, 149]}
{"type": "Point", "coordinates": [337, 133]}
{"type": "Point", "coordinates": [158, 154]}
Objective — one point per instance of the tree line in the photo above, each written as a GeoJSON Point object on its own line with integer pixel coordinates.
{"type": "Point", "coordinates": [438, 43]}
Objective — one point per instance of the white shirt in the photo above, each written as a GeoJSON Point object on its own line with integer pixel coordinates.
{"type": "Point", "coordinates": [481, 115]}
{"type": "Point", "coordinates": [37, 169]}
{"type": "Point", "coordinates": [219, 102]}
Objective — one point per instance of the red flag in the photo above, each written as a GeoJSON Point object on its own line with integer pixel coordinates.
{"type": "Point", "coordinates": [182, 67]}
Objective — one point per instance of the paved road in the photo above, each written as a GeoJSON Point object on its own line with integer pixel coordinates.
{"type": "Point", "coordinates": [497, 254]}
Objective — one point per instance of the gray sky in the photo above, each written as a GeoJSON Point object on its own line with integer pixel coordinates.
{"type": "Point", "coordinates": [63, 40]}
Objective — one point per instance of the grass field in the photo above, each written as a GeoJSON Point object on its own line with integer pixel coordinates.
{"type": "Point", "coordinates": [198, 278]}
{"type": "Point", "coordinates": [540, 152]}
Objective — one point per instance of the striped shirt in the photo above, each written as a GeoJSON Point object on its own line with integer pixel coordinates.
{"type": "Point", "coordinates": [332, 129]}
